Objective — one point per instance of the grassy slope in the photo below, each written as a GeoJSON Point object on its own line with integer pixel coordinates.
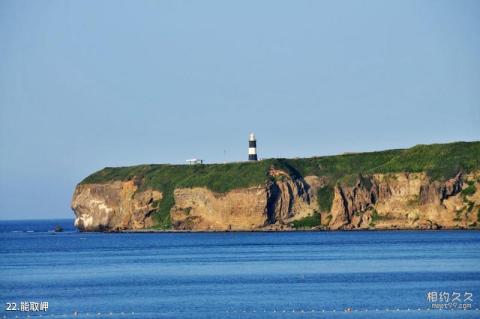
{"type": "Point", "coordinates": [440, 161]}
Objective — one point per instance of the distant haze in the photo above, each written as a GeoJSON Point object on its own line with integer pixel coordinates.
{"type": "Point", "coordinates": [88, 84]}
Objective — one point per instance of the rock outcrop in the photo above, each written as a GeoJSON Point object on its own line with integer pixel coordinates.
{"type": "Point", "coordinates": [405, 201]}
{"type": "Point", "coordinates": [114, 206]}
{"type": "Point", "coordinates": [201, 209]}
{"type": "Point", "coordinates": [377, 201]}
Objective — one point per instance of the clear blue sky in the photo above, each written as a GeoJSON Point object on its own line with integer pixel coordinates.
{"type": "Point", "coordinates": [89, 84]}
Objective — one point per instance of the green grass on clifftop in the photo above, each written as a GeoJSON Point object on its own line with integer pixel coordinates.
{"type": "Point", "coordinates": [217, 177]}
{"type": "Point", "coordinates": [439, 161]}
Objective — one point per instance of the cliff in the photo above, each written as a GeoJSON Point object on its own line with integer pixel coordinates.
{"type": "Point", "coordinates": [424, 187]}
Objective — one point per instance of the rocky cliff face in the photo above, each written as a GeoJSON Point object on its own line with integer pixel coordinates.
{"type": "Point", "coordinates": [282, 199]}
{"type": "Point", "coordinates": [379, 201]}
{"type": "Point", "coordinates": [114, 206]}
{"type": "Point", "coordinates": [406, 201]}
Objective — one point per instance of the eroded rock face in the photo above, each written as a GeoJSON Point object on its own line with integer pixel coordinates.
{"type": "Point", "coordinates": [404, 201]}
{"type": "Point", "coordinates": [113, 206]}
{"type": "Point", "coordinates": [380, 201]}
{"type": "Point", "coordinates": [288, 197]}
{"type": "Point", "coordinates": [201, 209]}
{"type": "Point", "coordinates": [279, 201]}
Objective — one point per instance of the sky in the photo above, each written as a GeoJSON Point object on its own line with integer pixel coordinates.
{"type": "Point", "coordinates": [89, 84]}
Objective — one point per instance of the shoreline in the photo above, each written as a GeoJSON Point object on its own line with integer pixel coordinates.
{"type": "Point", "coordinates": [153, 231]}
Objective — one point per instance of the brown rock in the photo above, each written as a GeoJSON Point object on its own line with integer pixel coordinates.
{"type": "Point", "coordinates": [113, 206]}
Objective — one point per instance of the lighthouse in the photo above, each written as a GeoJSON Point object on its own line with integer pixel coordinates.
{"type": "Point", "coordinates": [252, 148]}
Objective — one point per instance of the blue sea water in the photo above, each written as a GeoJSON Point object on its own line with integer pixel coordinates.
{"type": "Point", "coordinates": [237, 275]}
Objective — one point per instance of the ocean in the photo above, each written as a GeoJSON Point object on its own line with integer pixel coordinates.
{"type": "Point", "coordinates": [358, 274]}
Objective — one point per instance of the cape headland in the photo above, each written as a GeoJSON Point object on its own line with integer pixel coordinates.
{"type": "Point", "coordinates": [423, 187]}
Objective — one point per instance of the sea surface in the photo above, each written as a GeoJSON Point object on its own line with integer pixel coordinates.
{"type": "Point", "coordinates": [367, 274]}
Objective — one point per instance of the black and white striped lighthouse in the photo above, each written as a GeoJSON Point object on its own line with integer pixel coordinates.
{"type": "Point", "coordinates": [252, 148]}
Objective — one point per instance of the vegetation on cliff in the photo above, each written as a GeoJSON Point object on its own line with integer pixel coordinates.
{"type": "Point", "coordinates": [439, 161]}
{"type": "Point", "coordinates": [308, 222]}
